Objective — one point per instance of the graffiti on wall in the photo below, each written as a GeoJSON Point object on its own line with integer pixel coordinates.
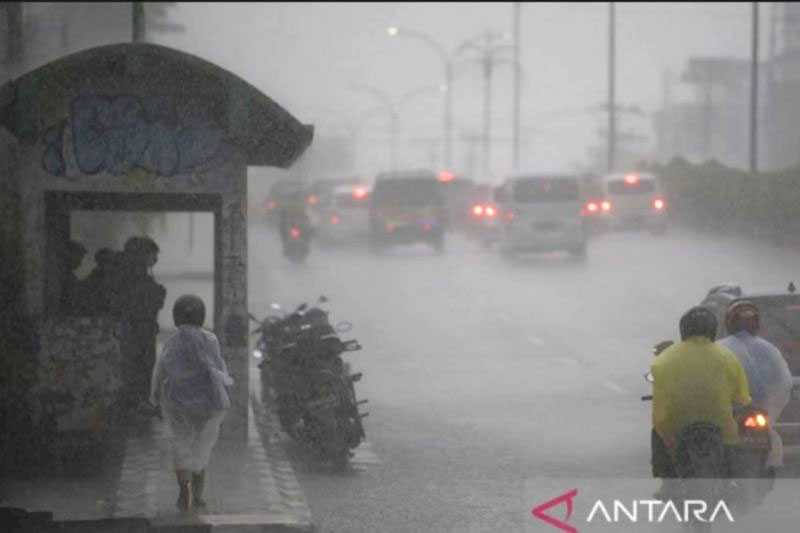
{"type": "Point", "coordinates": [116, 134]}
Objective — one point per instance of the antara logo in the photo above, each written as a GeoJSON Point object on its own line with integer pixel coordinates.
{"type": "Point", "coordinates": [566, 498]}
{"type": "Point", "coordinates": [618, 511]}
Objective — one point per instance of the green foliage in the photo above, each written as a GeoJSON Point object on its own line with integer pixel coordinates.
{"type": "Point", "coordinates": [720, 197]}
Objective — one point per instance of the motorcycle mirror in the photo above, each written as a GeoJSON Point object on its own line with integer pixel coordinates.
{"type": "Point", "coordinates": [323, 299]}
{"type": "Point", "coordinates": [301, 308]}
{"type": "Point", "coordinates": [649, 377]}
{"type": "Point", "coordinates": [344, 326]}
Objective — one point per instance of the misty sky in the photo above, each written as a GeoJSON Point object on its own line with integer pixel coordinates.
{"type": "Point", "coordinates": [306, 55]}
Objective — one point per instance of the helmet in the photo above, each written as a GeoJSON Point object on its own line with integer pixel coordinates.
{"type": "Point", "coordinates": [698, 321]}
{"type": "Point", "coordinates": [189, 310]}
{"type": "Point", "coordinates": [737, 312]}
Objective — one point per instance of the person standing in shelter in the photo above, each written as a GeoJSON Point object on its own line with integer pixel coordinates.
{"type": "Point", "coordinates": [139, 299]}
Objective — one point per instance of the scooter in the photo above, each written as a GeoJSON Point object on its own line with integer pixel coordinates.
{"type": "Point", "coordinates": [296, 244]}
{"type": "Point", "coordinates": [706, 472]}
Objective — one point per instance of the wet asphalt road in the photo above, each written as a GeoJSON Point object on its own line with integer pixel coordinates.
{"type": "Point", "coordinates": [483, 373]}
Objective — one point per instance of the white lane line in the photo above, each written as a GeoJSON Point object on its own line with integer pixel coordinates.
{"type": "Point", "coordinates": [507, 317]}
{"type": "Point", "coordinates": [610, 385]}
{"type": "Point", "coordinates": [569, 361]}
{"type": "Point", "coordinates": [535, 340]}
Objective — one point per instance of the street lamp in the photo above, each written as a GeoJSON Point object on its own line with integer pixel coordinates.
{"type": "Point", "coordinates": [393, 108]}
{"type": "Point", "coordinates": [446, 88]}
{"type": "Point", "coordinates": [487, 47]}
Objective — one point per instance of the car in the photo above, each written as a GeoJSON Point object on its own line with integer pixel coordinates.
{"type": "Point", "coordinates": [319, 198]}
{"type": "Point", "coordinates": [484, 217]}
{"type": "Point", "coordinates": [541, 213]}
{"type": "Point", "coordinates": [458, 192]}
{"type": "Point", "coordinates": [635, 200]}
{"type": "Point", "coordinates": [780, 324]}
{"type": "Point", "coordinates": [407, 207]}
{"type": "Point", "coordinates": [342, 216]}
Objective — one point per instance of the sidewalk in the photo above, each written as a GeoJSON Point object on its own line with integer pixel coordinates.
{"type": "Point", "coordinates": [249, 488]}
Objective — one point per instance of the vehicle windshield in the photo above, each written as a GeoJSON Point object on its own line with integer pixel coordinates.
{"type": "Point", "coordinates": [631, 188]}
{"type": "Point", "coordinates": [544, 190]}
{"type": "Point", "coordinates": [407, 192]}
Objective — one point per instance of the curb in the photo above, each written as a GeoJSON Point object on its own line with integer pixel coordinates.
{"type": "Point", "coordinates": [292, 495]}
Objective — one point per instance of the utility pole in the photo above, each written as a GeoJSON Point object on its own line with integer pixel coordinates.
{"type": "Point", "coordinates": [708, 113]}
{"type": "Point", "coordinates": [770, 108]}
{"type": "Point", "coordinates": [487, 65]}
{"type": "Point", "coordinates": [612, 125]}
{"type": "Point", "coordinates": [487, 48]}
{"type": "Point", "coordinates": [517, 93]}
{"type": "Point", "coordinates": [138, 22]}
{"type": "Point", "coordinates": [754, 95]}
{"type": "Point", "coordinates": [14, 35]}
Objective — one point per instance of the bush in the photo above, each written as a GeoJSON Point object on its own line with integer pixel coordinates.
{"type": "Point", "coordinates": [719, 197]}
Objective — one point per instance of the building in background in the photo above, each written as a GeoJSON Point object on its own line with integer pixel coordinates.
{"type": "Point", "coordinates": [715, 122]}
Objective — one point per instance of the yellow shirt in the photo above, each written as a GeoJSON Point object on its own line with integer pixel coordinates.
{"type": "Point", "coordinates": [697, 381]}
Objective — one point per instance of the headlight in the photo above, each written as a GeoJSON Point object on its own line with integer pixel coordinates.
{"type": "Point", "coordinates": [257, 354]}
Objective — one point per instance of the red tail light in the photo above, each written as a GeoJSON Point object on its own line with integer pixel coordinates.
{"type": "Point", "coordinates": [605, 206]}
{"type": "Point", "coordinates": [334, 219]}
{"type": "Point", "coordinates": [295, 232]}
{"type": "Point", "coordinates": [590, 208]}
{"type": "Point", "coordinates": [490, 211]}
{"type": "Point", "coordinates": [312, 200]}
{"type": "Point", "coordinates": [659, 204]}
{"type": "Point", "coordinates": [477, 210]}
{"type": "Point", "coordinates": [756, 421]}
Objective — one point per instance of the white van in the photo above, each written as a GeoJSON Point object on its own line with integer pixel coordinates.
{"type": "Point", "coordinates": [541, 212]}
{"type": "Point", "coordinates": [636, 200]}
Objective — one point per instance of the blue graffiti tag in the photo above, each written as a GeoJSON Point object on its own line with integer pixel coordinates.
{"type": "Point", "coordinates": [117, 134]}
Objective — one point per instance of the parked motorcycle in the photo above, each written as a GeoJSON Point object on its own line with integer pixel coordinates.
{"type": "Point", "coordinates": [303, 373]}
{"type": "Point", "coordinates": [704, 470]}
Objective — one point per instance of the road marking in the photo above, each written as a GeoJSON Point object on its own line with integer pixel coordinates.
{"type": "Point", "coordinates": [565, 360]}
{"type": "Point", "coordinates": [614, 387]}
{"type": "Point", "coordinates": [535, 340]}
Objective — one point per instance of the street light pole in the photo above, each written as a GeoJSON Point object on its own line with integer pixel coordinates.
{"type": "Point", "coordinates": [447, 147]}
{"type": "Point", "coordinates": [447, 64]}
{"type": "Point", "coordinates": [487, 109]}
{"type": "Point", "coordinates": [487, 47]}
{"type": "Point", "coordinates": [612, 125]}
{"type": "Point", "coordinates": [517, 92]}
{"type": "Point", "coordinates": [754, 95]}
{"type": "Point", "coordinates": [393, 108]}
{"type": "Point", "coordinates": [138, 22]}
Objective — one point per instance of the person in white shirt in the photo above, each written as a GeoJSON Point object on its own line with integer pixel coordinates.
{"type": "Point", "coordinates": [767, 372]}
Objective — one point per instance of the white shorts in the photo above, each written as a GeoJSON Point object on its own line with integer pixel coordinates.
{"type": "Point", "coordinates": [192, 436]}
